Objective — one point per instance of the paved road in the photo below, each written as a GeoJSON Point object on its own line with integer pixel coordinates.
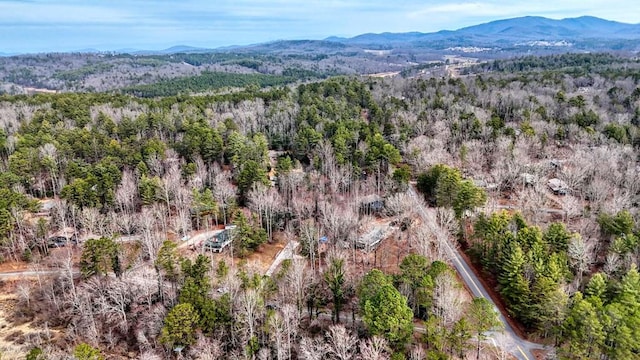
{"type": "Point", "coordinates": [508, 339]}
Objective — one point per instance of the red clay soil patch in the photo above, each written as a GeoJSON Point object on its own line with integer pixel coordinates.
{"type": "Point", "coordinates": [490, 284]}
{"type": "Point", "coordinates": [10, 266]}
{"type": "Point", "coordinates": [7, 288]}
{"type": "Point", "coordinates": [260, 260]}
{"type": "Point", "coordinates": [539, 354]}
{"type": "Point", "coordinates": [266, 253]}
{"type": "Point", "coordinates": [387, 256]}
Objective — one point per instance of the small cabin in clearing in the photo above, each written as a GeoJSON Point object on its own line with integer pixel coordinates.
{"type": "Point", "coordinates": [373, 238]}
{"type": "Point", "coordinates": [219, 240]}
{"type": "Point", "coordinates": [485, 184]}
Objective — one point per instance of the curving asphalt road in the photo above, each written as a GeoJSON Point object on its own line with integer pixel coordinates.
{"type": "Point", "coordinates": [509, 339]}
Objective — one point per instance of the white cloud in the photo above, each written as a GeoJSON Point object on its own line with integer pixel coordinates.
{"type": "Point", "coordinates": [58, 13]}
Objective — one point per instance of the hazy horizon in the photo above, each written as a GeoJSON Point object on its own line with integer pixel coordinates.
{"type": "Point", "coordinates": [30, 26]}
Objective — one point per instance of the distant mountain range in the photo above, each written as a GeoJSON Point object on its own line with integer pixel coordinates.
{"type": "Point", "coordinates": [509, 32]}
{"type": "Point", "coordinates": [172, 50]}
{"type": "Point", "coordinates": [586, 33]}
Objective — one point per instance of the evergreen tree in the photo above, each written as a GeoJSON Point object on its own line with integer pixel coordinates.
{"type": "Point", "coordinates": [414, 275]}
{"type": "Point", "coordinates": [557, 237]}
{"type": "Point", "coordinates": [370, 285]}
{"type": "Point", "coordinates": [513, 285]}
{"type": "Point", "coordinates": [180, 326]}
{"type": "Point", "coordinates": [387, 314]}
{"type": "Point", "coordinates": [468, 197]}
{"type": "Point", "coordinates": [335, 278]}
{"type": "Point", "coordinates": [168, 260]}
{"type": "Point", "coordinates": [85, 351]}
{"type": "Point", "coordinates": [583, 330]}
{"type": "Point", "coordinates": [251, 173]}
{"type": "Point", "coordinates": [247, 237]}
{"type": "Point", "coordinates": [99, 257]}
{"type": "Point", "coordinates": [483, 317]}
{"type": "Point", "coordinates": [596, 289]}
{"type": "Point", "coordinates": [459, 337]}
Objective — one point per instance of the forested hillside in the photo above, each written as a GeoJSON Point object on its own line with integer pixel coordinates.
{"type": "Point", "coordinates": [170, 74]}
{"type": "Point", "coordinates": [529, 166]}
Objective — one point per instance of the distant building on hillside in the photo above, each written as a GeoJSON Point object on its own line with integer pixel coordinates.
{"type": "Point", "coordinates": [372, 239]}
{"type": "Point", "coordinates": [558, 186]}
{"type": "Point", "coordinates": [528, 179]}
{"type": "Point", "coordinates": [372, 204]}
{"type": "Point", "coordinates": [484, 184]}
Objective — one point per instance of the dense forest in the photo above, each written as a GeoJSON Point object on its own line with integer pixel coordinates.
{"type": "Point", "coordinates": [206, 81]}
{"type": "Point", "coordinates": [182, 72]}
{"type": "Point", "coordinates": [528, 166]}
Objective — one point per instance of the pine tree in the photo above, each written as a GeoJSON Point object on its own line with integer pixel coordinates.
{"type": "Point", "coordinates": [99, 257]}
{"type": "Point", "coordinates": [335, 278]}
{"type": "Point", "coordinates": [583, 330]}
{"type": "Point", "coordinates": [459, 337]}
{"type": "Point", "coordinates": [371, 284]}
{"type": "Point", "coordinates": [483, 317]}
{"type": "Point", "coordinates": [180, 326]}
{"type": "Point", "coordinates": [85, 351]}
{"type": "Point", "coordinates": [513, 285]}
{"type": "Point", "coordinates": [387, 314]}
{"type": "Point", "coordinates": [414, 275]}
{"type": "Point", "coordinates": [557, 237]}
{"type": "Point", "coordinates": [621, 341]}
{"type": "Point", "coordinates": [468, 197]}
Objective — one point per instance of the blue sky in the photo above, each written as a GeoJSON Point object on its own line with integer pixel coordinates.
{"type": "Point", "coordinates": [67, 25]}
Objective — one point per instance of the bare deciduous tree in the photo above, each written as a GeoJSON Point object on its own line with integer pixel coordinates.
{"type": "Point", "coordinates": [447, 299]}
{"type": "Point", "coordinates": [339, 221]}
{"type": "Point", "coordinates": [224, 192]}
{"type": "Point", "coordinates": [250, 306]}
{"type": "Point", "coordinates": [580, 256]}
{"type": "Point", "coordinates": [312, 349]}
{"type": "Point", "coordinates": [149, 355]}
{"type": "Point", "coordinates": [297, 281]}
{"type": "Point", "coordinates": [127, 192]}
{"type": "Point", "coordinates": [151, 238]}
{"type": "Point", "coordinates": [532, 200]}
{"type": "Point", "coordinates": [182, 217]}
{"type": "Point", "coordinates": [572, 206]}
{"type": "Point", "coordinates": [417, 353]}
{"type": "Point", "coordinates": [612, 264]}
{"type": "Point", "coordinates": [278, 336]}
{"type": "Point", "coordinates": [423, 241]}
{"type": "Point", "coordinates": [207, 348]}
{"type": "Point", "coordinates": [398, 204]}
{"type": "Point", "coordinates": [124, 222]}
{"type": "Point", "coordinates": [92, 221]}
{"type": "Point", "coordinates": [341, 343]}
{"type": "Point", "coordinates": [267, 202]}
{"type": "Point", "coordinates": [374, 348]}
